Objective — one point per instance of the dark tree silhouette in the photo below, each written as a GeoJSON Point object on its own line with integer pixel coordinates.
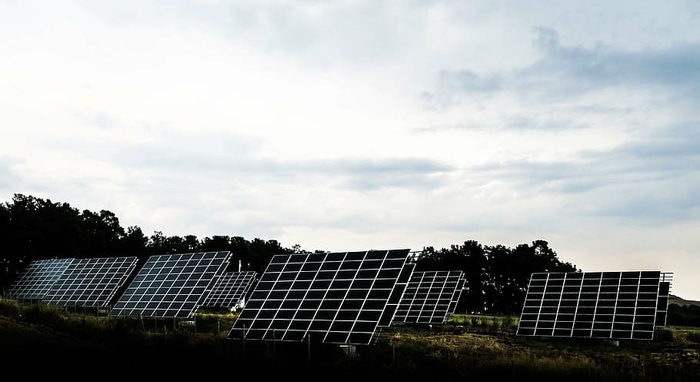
{"type": "Point", "coordinates": [496, 276]}
{"type": "Point", "coordinates": [510, 271]}
{"type": "Point", "coordinates": [34, 228]}
{"type": "Point", "coordinates": [134, 242]}
{"type": "Point", "coordinates": [102, 233]}
{"type": "Point", "coordinates": [471, 259]}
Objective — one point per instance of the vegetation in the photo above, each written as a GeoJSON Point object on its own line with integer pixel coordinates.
{"type": "Point", "coordinates": [685, 315]}
{"type": "Point", "coordinates": [467, 346]}
{"type": "Point", "coordinates": [34, 228]}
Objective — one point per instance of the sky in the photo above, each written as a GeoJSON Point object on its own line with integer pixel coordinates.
{"type": "Point", "coordinates": [357, 125]}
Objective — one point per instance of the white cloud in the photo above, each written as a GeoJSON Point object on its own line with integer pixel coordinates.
{"type": "Point", "coordinates": [352, 125]}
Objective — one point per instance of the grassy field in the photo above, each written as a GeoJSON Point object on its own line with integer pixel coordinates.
{"type": "Point", "coordinates": [40, 341]}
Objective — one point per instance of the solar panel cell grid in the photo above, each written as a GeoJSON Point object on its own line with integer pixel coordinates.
{"type": "Point", "coordinates": [230, 289]}
{"type": "Point", "coordinates": [595, 304]}
{"type": "Point", "coordinates": [91, 282]}
{"type": "Point", "coordinates": [37, 278]}
{"type": "Point", "coordinates": [171, 286]}
{"type": "Point", "coordinates": [430, 297]}
{"type": "Point", "coordinates": [341, 298]}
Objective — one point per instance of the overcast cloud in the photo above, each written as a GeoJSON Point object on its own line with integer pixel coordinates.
{"type": "Point", "coordinates": [355, 125]}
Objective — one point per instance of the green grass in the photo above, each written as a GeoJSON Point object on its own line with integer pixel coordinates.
{"type": "Point", "coordinates": [467, 346]}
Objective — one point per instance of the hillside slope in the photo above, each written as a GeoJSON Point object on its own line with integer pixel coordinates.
{"type": "Point", "coordinates": [682, 302]}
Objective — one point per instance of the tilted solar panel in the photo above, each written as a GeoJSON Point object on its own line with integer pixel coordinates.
{"type": "Point", "coordinates": [171, 286]}
{"type": "Point", "coordinates": [430, 297]}
{"type": "Point", "coordinates": [91, 282]}
{"type": "Point", "coordinates": [457, 293]}
{"type": "Point", "coordinates": [615, 305]}
{"type": "Point", "coordinates": [230, 289]}
{"type": "Point", "coordinates": [337, 297]}
{"type": "Point", "coordinates": [664, 297]}
{"type": "Point", "coordinates": [37, 278]}
{"type": "Point", "coordinates": [397, 294]}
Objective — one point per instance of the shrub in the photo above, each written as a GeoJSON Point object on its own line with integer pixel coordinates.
{"type": "Point", "coordinates": [9, 308]}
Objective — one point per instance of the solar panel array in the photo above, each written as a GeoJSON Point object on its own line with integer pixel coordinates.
{"type": "Point", "coordinates": [615, 305]}
{"type": "Point", "coordinates": [230, 289]}
{"type": "Point", "coordinates": [430, 297]}
{"type": "Point", "coordinates": [336, 297]}
{"type": "Point", "coordinates": [37, 278]}
{"type": "Point", "coordinates": [90, 282]}
{"type": "Point", "coordinates": [171, 286]}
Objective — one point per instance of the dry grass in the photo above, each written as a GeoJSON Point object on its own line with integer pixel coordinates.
{"type": "Point", "coordinates": [465, 347]}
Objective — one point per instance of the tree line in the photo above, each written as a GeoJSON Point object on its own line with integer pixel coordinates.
{"type": "Point", "coordinates": [33, 228]}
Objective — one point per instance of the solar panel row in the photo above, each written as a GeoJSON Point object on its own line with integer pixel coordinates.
{"type": "Point", "coordinates": [617, 305]}
{"type": "Point", "coordinates": [173, 280]}
{"type": "Point", "coordinates": [90, 282]}
{"type": "Point", "coordinates": [37, 278]}
{"type": "Point", "coordinates": [342, 297]}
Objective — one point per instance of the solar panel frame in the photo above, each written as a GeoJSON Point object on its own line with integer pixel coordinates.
{"type": "Point", "coordinates": [400, 286]}
{"type": "Point", "coordinates": [431, 296]}
{"type": "Point", "coordinates": [230, 289]}
{"type": "Point", "coordinates": [613, 305]}
{"type": "Point", "coordinates": [336, 297]}
{"type": "Point", "coordinates": [91, 282]}
{"type": "Point", "coordinates": [37, 278]}
{"type": "Point", "coordinates": [171, 286]}
{"type": "Point", "coordinates": [664, 298]}
{"type": "Point", "coordinates": [461, 283]}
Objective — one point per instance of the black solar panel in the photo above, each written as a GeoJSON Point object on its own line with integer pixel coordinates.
{"type": "Point", "coordinates": [430, 297]}
{"type": "Point", "coordinates": [338, 297]}
{"type": "Point", "coordinates": [37, 278]}
{"type": "Point", "coordinates": [616, 305]}
{"type": "Point", "coordinates": [396, 295]}
{"type": "Point", "coordinates": [90, 282]}
{"type": "Point", "coordinates": [171, 286]}
{"type": "Point", "coordinates": [230, 290]}
{"type": "Point", "coordinates": [664, 296]}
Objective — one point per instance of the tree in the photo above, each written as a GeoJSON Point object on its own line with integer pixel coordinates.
{"type": "Point", "coordinates": [216, 243]}
{"type": "Point", "coordinates": [470, 258]}
{"type": "Point", "coordinates": [510, 271]}
{"type": "Point", "coordinates": [262, 252]}
{"type": "Point", "coordinates": [475, 267]}
{"type": "Point", "coordinates": [156, 244]}
{"type": "Point", "coordinates": [134, 242]}
{"type": "Point", "coordinates": [103, 234]}
{"type": "Point", "coordinates": [241, 254]}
